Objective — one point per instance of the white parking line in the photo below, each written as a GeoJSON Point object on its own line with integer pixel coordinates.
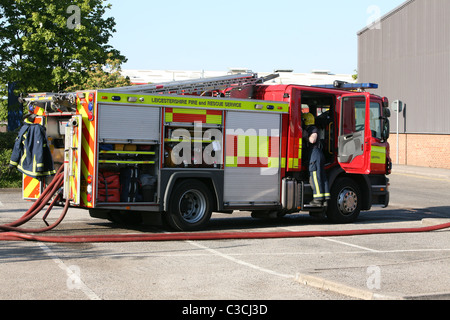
{"type": "Point", "coordinates": [71, 275]}
{"type": "Point", "coordinates": [348, 244]}
{"type": "Point", "coordinates": [307, 280]}
{"type": "Point", "coordinates": [241, 262]}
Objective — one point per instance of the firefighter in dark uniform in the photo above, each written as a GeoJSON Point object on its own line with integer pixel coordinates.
{"type": "Point", "coordinates": [319, 181]}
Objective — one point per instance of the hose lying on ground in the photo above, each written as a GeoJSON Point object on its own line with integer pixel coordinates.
{"type": "Point", "coordinates": [16, 236]}
{"type": "Point", "coordinates": [12, 232]}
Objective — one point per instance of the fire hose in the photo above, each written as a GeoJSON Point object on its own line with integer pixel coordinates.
{"type": "Point", "coordinates": [51, 190]}
{"type": "Point", "coordinates": [12, 232]}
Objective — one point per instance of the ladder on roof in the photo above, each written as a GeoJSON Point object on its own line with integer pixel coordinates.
{"type": "Point", "coordinates": [54, 102]}
{"type": "Point", "coordinates": [174, 87]}
{"type": "Point", "coordinates": [49, 97]}
{"type": "Point", "coordinates": [197, 85]}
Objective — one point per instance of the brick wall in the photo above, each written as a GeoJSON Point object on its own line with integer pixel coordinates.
{"type": "Point", "coordinates": [425, 150]}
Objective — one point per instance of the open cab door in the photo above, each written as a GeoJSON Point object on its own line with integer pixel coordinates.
{"type": "Point", "coordinates": [354, 141]}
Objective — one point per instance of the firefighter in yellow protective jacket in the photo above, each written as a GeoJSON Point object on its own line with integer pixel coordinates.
{"type": "Point", "coordinates": [319, 181]}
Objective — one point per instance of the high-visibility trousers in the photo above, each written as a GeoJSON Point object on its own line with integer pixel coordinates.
{"type": "Point", "coordinates": [319, 181]}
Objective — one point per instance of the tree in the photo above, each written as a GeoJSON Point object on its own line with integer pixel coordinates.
{"type": "Point", "coordinates": [49, 45]}
{"type": "Point", "coordinates": [102, 76]}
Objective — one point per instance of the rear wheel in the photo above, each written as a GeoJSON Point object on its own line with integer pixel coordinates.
{"type": "Point", "coordinates": [345, 202]}
{"type": "Point", "coordinates": [190, 206]}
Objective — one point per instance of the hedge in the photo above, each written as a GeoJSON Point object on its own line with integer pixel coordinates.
{"type": "Point", "coordinates": [9, 178]}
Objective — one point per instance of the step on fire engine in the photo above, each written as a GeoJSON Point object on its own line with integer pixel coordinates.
{"type": "Point", "coordinates": [185, 149]}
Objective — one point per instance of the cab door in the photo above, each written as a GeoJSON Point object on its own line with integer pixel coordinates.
{"type": "Point", "coordinates": [354, 134]}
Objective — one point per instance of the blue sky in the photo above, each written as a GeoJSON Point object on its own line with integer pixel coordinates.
{"type": "Point", "coordinates": [260, 35]}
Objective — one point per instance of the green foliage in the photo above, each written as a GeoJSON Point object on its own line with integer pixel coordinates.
{"type": "Point", "coordinates": [102, 76]}
{"type": "Point", "coordinates": [3, 103]}
{"type": "Point", "coordinates": [8, 178]}
{"type": "Point", "coordinates": [49, 45]}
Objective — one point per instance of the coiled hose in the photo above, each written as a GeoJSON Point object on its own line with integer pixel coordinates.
{"type": "Point", "coordinates": [51, 190]}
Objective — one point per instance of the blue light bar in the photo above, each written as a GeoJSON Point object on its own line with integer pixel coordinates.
{"type": "Point", "coordinates": [348, 86]}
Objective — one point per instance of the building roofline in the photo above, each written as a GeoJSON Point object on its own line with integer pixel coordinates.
{"type": "Point", "coordinates": [386, 16]}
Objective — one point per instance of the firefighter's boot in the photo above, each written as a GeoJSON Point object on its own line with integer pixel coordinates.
{"type": "Point", "coordinates": [316, 203]}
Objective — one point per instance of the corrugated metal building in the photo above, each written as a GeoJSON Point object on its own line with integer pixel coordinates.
{"type": "Point", "coordinates": [407, 52]}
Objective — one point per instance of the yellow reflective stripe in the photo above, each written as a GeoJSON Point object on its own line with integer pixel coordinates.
{"type": "Point", "coordinates": [195, 102]}
{"type": "Point", "coordinates": [248, 146]}
{"type": "Point", "coordinates": [87, 123]}
{"type": "Point", "coordinates": [214, 119]}
{"type": "Point", "coordinates": [30, 188]}
{"type": "Point", "coordinates": [291, 163]}
{"type": "Point", "coordinates": [318, 193]}
{"type": "Point", "coordinates": [85, 166]}
{"type": "Point", "coordinates": [253, 149]}
{"type": "Point", "coordinates": [37, 174]}
{"type": "Point", "coordinates": [263, 144]}
{"type": "Point", "coordinates": [294, 163]}
{"type": "Point", "coordinates": [23, 157]}
{"type": "Point", "coordinates": [300, 145]}
{"type": "Point", "coordinates": [127, 152]}
{"type": "Point", "coordinates": [378, 155]}
{"type": "Point", "coordinates": [274, 163]}
{"type": "Point", "coordinates": [189, 111]}
{"type": "Point", "coordinates": [125, 162]}
{"type": "Point", "coordinates": [169, 117]}
{"type": "Point", "coordinates": [231, 161]}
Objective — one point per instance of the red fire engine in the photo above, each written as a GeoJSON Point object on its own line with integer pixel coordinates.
{"type": "Point", "coordinates": [186, 149]}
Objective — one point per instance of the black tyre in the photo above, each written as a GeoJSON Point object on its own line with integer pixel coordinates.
{"type": "Point", "coordinates": [190, 206]}
{"type": "Point", "coordinates": [345, 202]}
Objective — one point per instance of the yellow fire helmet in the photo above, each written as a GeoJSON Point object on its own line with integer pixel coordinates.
{"type": "Point", "coordinates": [308, 118]}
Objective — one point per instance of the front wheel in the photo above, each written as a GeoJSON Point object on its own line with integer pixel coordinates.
{"type": "Point", "coordinates": [190, 206]}
{"type": "Point", "coordinates": [345, 202]}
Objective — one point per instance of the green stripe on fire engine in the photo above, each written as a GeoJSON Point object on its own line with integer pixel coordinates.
{"type": "Point", "coordinates": [193, 102]}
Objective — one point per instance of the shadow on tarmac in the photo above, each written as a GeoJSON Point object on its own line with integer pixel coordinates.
{"type": "Point", "coordinates": [244, 221]}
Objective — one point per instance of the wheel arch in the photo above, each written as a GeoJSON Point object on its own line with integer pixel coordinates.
{"type": "Point", "coordinates": [214, 181]}
{"type": "Point", "coordinates": [363, 182]}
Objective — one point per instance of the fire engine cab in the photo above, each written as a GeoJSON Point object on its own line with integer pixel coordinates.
{"type": "Point", "coordinates": [186, 149]}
